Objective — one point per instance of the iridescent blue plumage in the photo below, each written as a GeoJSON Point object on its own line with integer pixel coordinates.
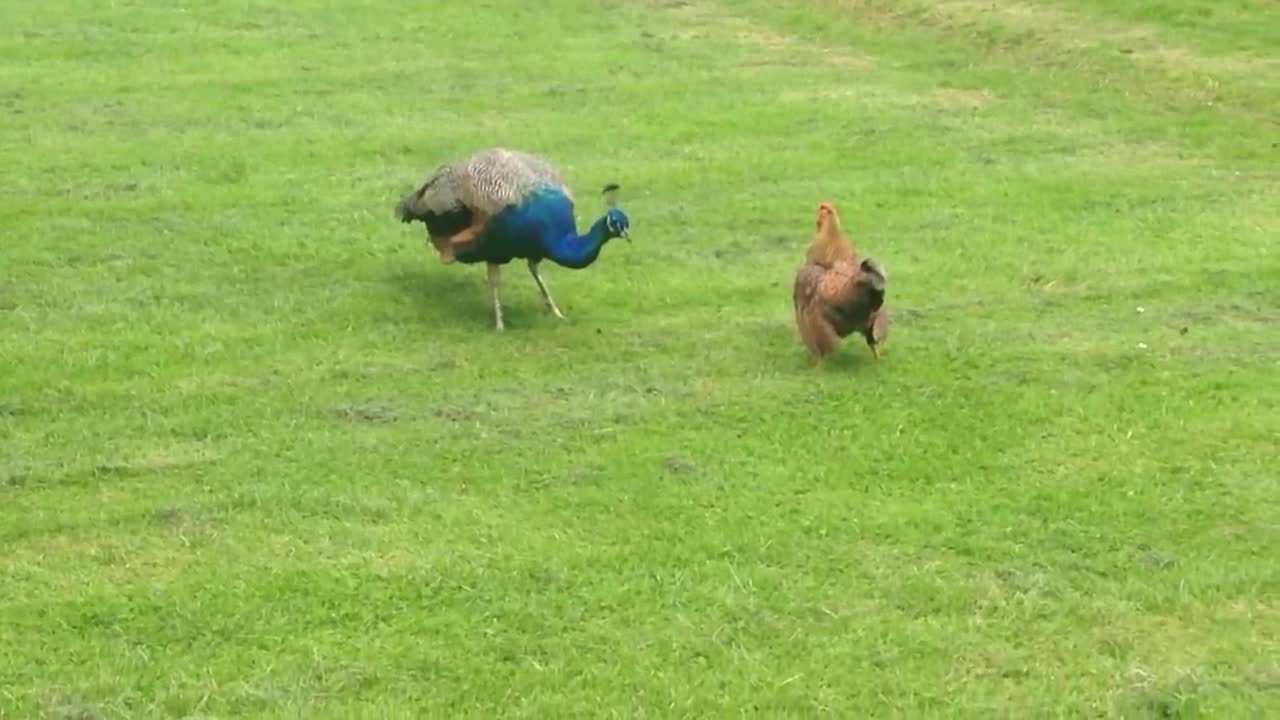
{"type": "Point", "coordinates": [497, 205]}
{"type": "Point", "coordinates": [542, 227]}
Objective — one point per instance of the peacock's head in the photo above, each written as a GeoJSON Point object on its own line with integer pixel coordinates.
{"type": "Point", "coordinates": [616, 223]}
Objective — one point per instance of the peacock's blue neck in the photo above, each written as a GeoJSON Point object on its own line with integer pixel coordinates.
{"type": "Point", "coordinates": [578, 251]}
{"type": "Point", "coordinates": [542, 226]}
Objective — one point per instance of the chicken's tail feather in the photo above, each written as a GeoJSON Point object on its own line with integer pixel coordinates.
{"type": "Point", "coordinates": [875, 272]}
{"type": "Point", "coordinates": [880, 326]}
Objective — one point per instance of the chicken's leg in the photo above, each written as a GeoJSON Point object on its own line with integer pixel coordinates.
{"type": "Point", "coordinates": [542, 287]}
{"type": "Point", "coordinates": [494, 270]}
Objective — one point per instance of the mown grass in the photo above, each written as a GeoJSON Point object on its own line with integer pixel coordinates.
{"type": "Point", "coordinates": [263, 456]}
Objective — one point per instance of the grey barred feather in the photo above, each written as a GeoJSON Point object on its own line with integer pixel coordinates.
{"type": "Point", "coordinates": [488, 181]}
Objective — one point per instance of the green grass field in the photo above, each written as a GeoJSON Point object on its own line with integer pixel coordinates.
{"type": "Point", "coordinates": [262, 455]}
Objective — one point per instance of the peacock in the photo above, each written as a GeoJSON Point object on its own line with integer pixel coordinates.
{"type": "Point", "coordinates": [496, 205]}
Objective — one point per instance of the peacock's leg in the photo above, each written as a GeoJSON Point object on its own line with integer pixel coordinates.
{"type": "Point", "coordinates": [546, 294]}
{"type": "Point", "coordinates": [493, 290]}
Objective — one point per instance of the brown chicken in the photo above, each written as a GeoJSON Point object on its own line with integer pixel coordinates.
{"type": "Point", "coordinates": [837, 292]}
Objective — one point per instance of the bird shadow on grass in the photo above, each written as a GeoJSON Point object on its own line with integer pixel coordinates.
{"type": "Point", "coordinates": [451, 297]}
{"type": "Point", "coordinates": [437, 297]}
{"type": "Point", "coordinates": [853, 358]}
{"type": "Point", "coordinates": [850, 357]}
{"type": "Point", "coordinates": [778, 336]}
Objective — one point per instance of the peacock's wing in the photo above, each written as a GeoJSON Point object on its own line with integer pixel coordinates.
{"type": "Point", "coordinates": [544, 174]}
{"type": "Point", "coordinates": [479, 188]}
{"type": "Point", "coordinates": [498, 178]}
{"type": "Point", "coordinates": [438, 195]}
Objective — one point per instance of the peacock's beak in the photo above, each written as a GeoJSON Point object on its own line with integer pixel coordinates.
{"type": "Point", "coordinates": [626, 234]}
